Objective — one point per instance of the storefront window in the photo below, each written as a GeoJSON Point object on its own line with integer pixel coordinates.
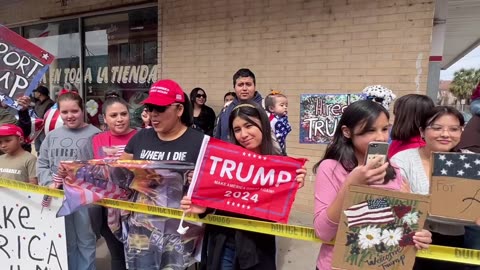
{"type": "Point", "coordinates": [120, 55]}
{"type": "Point", "coordinates": [61, 39]}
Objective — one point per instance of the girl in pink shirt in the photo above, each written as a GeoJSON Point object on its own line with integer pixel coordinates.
{"type": "Point", "coordinates": [361, 123]}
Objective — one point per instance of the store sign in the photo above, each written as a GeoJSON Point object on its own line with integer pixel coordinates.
{"type": "Point", "coordinates": [22, 65]}
{"type": "Point", "coordinates": [116, 74]}
{"type": "Point", "coordinates": [320, 114]}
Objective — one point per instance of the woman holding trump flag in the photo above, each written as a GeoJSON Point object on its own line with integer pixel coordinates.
{"type": "Point", "coordinates": [227, 248]}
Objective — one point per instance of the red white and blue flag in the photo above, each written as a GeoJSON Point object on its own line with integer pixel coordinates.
{"type": "Point", "coordinates": [377, 211]}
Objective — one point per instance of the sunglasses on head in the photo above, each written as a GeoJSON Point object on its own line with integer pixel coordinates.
{"type": "Point", "coordinates": [160, 109]}
{"type": "Point", "coordinates": [201, 95]}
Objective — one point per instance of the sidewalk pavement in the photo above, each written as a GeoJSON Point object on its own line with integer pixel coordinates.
{"type": "Point", "coordinates": [291, 253]}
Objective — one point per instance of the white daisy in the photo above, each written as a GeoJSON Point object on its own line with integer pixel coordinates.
{"type": "Point", "coordinates": [391, 237]}
{"type": "Point", "coordinates": [369, 237]}
{"type": "Point", "coordinates": [91, 107]}
{"type": "Point", "coordinates": [411, 218]}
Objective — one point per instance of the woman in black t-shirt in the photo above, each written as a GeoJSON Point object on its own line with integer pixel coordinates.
{"type": "Point", "coordinates": [153, 242]}
{"type": "Point", "coordinates": [203, 116]}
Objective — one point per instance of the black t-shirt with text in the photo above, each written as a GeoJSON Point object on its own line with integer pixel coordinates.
{"type": "Point", "coordinates": [145, 145]}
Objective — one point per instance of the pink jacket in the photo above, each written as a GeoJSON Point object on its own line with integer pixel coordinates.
{"type": "Point", "coordinates": [330, 178]}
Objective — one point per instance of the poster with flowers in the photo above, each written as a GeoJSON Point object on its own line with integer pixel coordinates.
{"type": "Point", "coordinates": [376, 229]}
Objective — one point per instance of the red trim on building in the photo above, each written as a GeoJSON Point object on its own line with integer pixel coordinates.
{"type": "Point", "coordinates": [436, 58]}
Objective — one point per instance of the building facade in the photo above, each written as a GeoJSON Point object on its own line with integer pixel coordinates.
{"type": "Point", "coordinates": [295, 46]}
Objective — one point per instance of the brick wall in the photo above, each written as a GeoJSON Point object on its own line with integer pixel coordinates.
{"type": "Point", "coordinates": [297, 46]}
{"type": "Point", "coordinates": [14, 12]}
{"type": "Point", "coordinates": [322, 46]}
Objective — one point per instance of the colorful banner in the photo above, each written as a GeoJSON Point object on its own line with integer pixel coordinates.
{"type": "Point", "coordinates": [31, 237]}
{"type": "Point", "coordinates": [22, 65]}
{"type": "Point", "coordinates": [231, 178]}
{"type": "Point", "coordinates": [155, 183]}
{"type": "Point", "coordinates": [320, 113]}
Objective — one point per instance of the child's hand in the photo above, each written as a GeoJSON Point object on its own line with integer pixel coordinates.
{"type": "Point", "coordinates": [368, 174]}
{"type": "Point", "coordinates": [301, 173]}
{"type": "Point", "coordinates": [62, 171]}
{"type": "Point", "coordinates": [187, 206]}
{"type": "Point", "coordinates": [422, 239]}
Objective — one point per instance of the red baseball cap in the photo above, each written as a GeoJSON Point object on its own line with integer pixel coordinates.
{"type": "Point", "coordinates": [11, 129]}
{"type": "Point", "coordinates": [164, 93]}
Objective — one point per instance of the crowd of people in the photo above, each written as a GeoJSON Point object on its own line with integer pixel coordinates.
{"type": "Point", "coordinates": [176, 122]}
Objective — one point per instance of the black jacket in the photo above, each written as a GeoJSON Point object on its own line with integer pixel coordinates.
{"type": "Point", "coordinates": [205, 121]}
{"type": "Point", "coordinates": [253, 251]}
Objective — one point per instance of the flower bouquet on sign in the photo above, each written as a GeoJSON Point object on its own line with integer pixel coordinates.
{"type": "Point", "coordinates": [376, 229]}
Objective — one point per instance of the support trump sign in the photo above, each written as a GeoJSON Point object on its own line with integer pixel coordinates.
{"type": "Point", "coordinates": [231, 178]}
{"type": "Point", "coordinates": [22, 65]}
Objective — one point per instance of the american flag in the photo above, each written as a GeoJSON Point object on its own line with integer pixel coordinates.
{"type": "Point", "coordinates": [461, 165]}
{"type": "Point", "coordinates": [90, 184]}
{"type": "Point", "coordinates": [376, 211]}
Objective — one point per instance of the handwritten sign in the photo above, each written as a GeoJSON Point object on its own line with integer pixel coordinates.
{"type": "Point", "coordinates": [320, 113]}
{"type": "Point", "coordinates": [455, 186]}
{"type": "Point", "coordinates": [22, 65]}
{"type": "Point", "coordinates": [376, 229]}
{"type": "Point", "coordinates": [231, 178]}
{"type": "Point", "coordinates": [29, 237]}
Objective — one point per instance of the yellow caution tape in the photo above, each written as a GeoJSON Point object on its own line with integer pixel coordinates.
{"type": "Point", "coordinates": [459, 255]}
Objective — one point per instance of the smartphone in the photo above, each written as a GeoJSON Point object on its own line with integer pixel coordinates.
{"type": "Point", "coordinates": [376, 149]}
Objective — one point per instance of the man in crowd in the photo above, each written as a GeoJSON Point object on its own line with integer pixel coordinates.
{"type": "Point", "coordinates": [244, 86]}
{"type": "Point", "coordinates": [43, 103]}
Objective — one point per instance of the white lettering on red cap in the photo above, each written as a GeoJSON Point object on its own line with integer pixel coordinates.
{"type": "Point", "coordinates": [178, 97]}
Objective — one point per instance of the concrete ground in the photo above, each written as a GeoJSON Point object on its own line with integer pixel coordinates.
{"type": "Point", "coordinates": [292, 254]}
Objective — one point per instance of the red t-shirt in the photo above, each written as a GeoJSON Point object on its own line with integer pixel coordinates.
{"type": "Point", "coordinates": [107, 139]}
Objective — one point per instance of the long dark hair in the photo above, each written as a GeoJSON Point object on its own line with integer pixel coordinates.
{"type": "Point", "coordinates": [112, 100]}
{"type": "Point", "coordinates": [363, 114]}
{"type": "Point", "coordinates": [248, 111]}
{"type": "Point", "coordinates": [409, 111]}
{"type": "Point", "coordinates": [193, 95]}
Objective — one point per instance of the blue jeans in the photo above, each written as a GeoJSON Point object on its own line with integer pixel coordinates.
{"type": "Point", "coordinates": [472, 240]}
{"type": "Point", "coordinates": [227, 262]}
{"type": "Point", "coordinates": [475, 107]}
{"type": "Point", "coordinates": [81, 241]}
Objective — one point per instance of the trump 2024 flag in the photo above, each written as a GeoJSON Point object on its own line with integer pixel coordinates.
{"type": "Point", "coordinates": [231, 178]}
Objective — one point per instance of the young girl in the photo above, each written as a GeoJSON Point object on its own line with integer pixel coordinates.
{"type": "Point", "coordinates": [276, 105]}
{"type": "Point", "coordinates": [110, 144]}
{"type": "Point", "coordinates": [441, 129]}
{"type": "Point", "coordinates": [409, 111]}
{"type": "Point", "coordinates": [64, 143]}
{"type": "Point", "coordinates": [227, 248]}
{"type": "Point", "coordinates": [361, 123]}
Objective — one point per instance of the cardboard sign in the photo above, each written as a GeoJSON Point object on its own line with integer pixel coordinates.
{"type": "Point", "coordinates": [376, 229]}
{"type": "Point", "coordinates": [31, 237]}
{"type": "Point", "coordinates": [231, 178]}
{"type": "Point", "coordinates": [454, 186]}
{"type": "Point", "coordinates": [320, 113]}
{"type": "Point", "coordinates": [22, 65]}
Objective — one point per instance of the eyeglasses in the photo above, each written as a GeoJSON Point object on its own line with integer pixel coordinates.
{"type": "Point", "coordinates": [201, 95]}
{"type": "Point", "coordinates": [455, 130]}
{"type": "Point", "coordinates": [160, 109]}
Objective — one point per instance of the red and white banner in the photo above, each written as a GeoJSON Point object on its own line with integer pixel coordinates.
{"type": "Point", "coordinates": [231, 178]}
